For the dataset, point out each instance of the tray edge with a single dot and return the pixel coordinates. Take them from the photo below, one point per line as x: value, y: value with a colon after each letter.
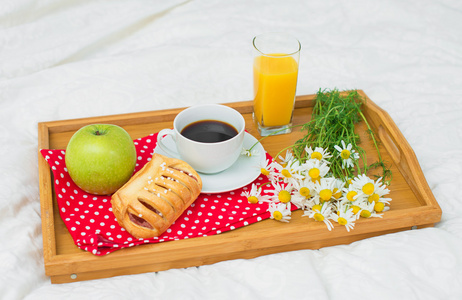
x: 45, y: 128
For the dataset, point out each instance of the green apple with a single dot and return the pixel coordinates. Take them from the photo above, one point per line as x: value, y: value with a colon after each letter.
x: 100, y: 158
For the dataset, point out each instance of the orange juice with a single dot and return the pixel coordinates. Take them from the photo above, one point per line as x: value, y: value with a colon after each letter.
x: 275, y: 83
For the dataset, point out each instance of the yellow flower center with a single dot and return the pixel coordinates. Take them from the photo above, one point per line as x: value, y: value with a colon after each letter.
x: 379, y: 206
x: 277, y: 215
x: 365, y: 213
x: 284, y: 196
x: 264, y: 171
x: 314, y: 173
x: 342, y: 221
x: 316, y: 207
x: 316, y: 155
x: 374, y: 197
x: 318, y: 217
x: 350, y: 195
x: 368, y: 188
x: 305, y: 192
x: 345, y: 154
x: 317, y: 179
x: 286, y: 173
x: 252, y: 199
x: 356, y: 209
x: 325, y: 194
x: 337, y: 193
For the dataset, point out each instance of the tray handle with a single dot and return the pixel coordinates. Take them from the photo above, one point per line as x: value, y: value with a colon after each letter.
x: 400, y: 151
x: 46, y: 192
x: 389, y: 144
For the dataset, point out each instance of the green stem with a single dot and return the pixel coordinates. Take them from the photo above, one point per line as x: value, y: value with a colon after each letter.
x: 274, y: 133
x: 372, y: 135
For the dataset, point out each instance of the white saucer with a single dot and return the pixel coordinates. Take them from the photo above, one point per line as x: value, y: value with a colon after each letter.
x: 245, y: 170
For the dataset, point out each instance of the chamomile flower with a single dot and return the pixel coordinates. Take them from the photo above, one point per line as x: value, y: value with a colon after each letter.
x: 321, y: 213
x: 345, y: 217
x: 356, y: 209
x: 267, y: 166
x: 338, y: 187
x: 347, y: 154
x: 318, y: 153
x: 248, y: 152
x: 286, y: 160
x: 315, y: 169
x: 374, y: 190
x: 254, y: 195
x: 351, y: 194
x: 303, y: 191
x: 367, y: 210
x: 280, y: 212
x: 323, y: 190
x: 364, y: 183
x: 281, y: 192
x: 380, y: 205
x: 289, y: 173
x: 379, y: 191
x: 311, y: 186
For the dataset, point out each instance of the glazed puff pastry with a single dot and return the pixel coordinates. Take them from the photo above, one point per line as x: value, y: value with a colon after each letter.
x: 156, y: 196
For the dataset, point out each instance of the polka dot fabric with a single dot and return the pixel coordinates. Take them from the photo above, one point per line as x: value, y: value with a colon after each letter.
x: 94, y: 228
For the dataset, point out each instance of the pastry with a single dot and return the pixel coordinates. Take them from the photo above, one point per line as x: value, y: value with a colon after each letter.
x: 156, y: 196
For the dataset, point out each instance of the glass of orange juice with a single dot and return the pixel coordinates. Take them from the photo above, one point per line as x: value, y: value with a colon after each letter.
x: 275, y: 73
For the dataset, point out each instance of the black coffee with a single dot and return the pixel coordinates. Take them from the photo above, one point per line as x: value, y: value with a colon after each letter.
x: 209, y: 131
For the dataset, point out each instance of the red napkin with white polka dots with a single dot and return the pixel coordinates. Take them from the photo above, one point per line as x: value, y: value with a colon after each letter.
x: 94, y: 228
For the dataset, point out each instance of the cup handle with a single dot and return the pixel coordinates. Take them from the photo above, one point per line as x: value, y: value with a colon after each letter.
x: 160, y: 143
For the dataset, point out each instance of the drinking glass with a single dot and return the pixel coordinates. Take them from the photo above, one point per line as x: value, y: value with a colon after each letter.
x: 275, y: 74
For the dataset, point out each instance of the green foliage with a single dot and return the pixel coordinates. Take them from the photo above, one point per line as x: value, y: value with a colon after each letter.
x: 333, y: 120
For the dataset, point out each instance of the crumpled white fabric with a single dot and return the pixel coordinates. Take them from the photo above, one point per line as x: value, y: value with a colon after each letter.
x: 74, y: 59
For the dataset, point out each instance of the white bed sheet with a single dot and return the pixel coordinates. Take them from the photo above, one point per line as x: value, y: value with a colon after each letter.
x: 63, y: 59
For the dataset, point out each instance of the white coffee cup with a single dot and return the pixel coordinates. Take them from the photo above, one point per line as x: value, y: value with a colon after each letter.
x: 204, y: 157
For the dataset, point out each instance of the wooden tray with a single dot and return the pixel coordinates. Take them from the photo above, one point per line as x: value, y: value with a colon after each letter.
x: 413, y: 205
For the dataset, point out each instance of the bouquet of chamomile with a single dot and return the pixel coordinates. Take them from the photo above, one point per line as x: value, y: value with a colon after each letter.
x: 325, y: 173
